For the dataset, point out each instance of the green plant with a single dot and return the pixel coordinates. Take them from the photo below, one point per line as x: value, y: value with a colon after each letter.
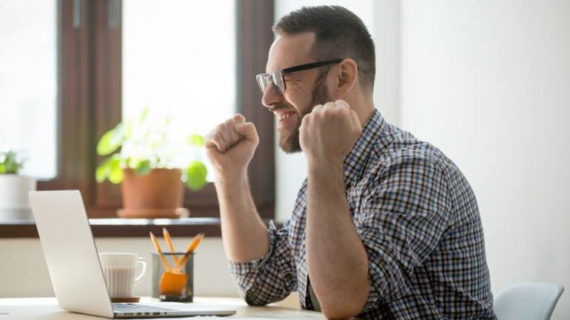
x: 10, y: 162
x: 146, y: 144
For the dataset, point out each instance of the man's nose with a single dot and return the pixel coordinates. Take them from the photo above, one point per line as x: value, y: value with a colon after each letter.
x: 271, y: 96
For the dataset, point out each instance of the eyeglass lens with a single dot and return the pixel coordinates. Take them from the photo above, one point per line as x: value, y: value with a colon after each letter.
x: 263, y: 80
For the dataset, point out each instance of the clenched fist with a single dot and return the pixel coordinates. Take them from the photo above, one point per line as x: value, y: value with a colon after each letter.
x: 328, y: 133
x: 231, y: 145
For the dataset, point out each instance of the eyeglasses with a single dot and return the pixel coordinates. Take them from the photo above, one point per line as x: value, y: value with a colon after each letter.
x: 276, y: 77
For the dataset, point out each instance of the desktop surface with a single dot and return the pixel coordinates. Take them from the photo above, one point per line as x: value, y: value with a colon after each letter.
x: 47, y: 308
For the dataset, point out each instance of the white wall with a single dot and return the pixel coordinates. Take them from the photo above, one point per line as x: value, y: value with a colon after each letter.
x: 23, y: 271
x: 488, y: 82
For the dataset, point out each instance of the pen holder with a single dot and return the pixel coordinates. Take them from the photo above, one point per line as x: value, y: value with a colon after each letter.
x: 184, y: 294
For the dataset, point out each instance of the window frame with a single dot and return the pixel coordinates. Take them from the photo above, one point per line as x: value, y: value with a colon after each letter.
x: 89, y: 102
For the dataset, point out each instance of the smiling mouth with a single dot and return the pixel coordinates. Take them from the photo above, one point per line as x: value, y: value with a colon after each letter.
x: 285, y: 115
x: 286, y: 119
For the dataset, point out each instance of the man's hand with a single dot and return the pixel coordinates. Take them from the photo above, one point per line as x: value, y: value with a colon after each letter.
x: 328, y: 133
x: 230, y: 146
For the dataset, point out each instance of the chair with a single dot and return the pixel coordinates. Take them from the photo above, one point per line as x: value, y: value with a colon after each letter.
x: 527, y: 301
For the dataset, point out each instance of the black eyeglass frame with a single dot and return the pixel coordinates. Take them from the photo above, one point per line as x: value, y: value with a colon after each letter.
x: 276, y: 77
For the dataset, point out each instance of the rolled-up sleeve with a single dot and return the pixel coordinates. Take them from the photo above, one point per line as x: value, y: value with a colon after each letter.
x: 270, y: 278
x: 400, y: 222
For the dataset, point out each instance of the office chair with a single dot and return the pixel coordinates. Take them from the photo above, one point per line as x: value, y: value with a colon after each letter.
x: 527, y: 301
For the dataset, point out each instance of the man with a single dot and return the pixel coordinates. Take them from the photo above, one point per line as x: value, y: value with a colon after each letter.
x: 384, y: 227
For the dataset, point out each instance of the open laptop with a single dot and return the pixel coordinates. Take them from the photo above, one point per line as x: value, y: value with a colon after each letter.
x: 74, y: 266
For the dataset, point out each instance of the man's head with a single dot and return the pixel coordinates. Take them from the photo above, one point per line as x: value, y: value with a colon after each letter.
x: 329, y: 34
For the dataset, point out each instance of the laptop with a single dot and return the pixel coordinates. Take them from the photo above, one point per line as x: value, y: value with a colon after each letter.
x: 74, y: 267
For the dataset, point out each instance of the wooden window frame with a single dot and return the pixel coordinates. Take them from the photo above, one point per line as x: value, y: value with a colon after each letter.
x: 89, y: 91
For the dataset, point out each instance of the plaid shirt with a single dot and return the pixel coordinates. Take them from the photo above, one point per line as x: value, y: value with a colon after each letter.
x: 418, y: 220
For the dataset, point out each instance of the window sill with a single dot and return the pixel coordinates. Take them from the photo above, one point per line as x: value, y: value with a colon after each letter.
x: 116, y: 227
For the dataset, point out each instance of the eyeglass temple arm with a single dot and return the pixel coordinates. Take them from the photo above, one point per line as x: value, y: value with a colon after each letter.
x: 312, y: 65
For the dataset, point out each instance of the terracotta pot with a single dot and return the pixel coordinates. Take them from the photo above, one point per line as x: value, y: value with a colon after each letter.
x: 158, y: 194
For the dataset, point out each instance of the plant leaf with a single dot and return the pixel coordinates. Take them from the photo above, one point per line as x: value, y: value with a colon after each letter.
x: 196, y: 140
x: 143, y: 167
x: 10, y: 162
x: 196, y: 175
x: 144, y: 114
x: 128, y: 129
x: 116, y: 172
x: 111, y: 140
x: 103, y: 171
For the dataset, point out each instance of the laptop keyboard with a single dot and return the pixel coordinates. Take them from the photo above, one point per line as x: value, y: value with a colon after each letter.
x: 133, y: 307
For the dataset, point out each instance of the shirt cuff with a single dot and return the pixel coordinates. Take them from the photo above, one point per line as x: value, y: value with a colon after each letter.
x: 374, y: 298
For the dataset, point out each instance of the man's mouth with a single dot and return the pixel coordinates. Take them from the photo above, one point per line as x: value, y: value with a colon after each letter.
x: 285, y: 115
x: 285, y: 118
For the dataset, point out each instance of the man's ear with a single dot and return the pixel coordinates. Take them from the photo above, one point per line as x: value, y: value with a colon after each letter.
x: 346, y: 78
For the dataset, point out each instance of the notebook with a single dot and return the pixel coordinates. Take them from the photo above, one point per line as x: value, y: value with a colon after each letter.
x: 74, y: 267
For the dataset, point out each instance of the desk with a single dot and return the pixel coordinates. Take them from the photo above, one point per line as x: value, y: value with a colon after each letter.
x: 47, y: 309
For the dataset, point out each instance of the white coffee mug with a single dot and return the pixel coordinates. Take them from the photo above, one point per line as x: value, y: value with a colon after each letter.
x: 119, y: 270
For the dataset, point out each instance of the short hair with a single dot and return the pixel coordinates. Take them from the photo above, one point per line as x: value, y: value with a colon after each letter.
x: 339, y: 33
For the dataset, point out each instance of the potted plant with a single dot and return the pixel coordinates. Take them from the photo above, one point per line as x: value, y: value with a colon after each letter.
x: 14, y: 187
x: 151, y: 163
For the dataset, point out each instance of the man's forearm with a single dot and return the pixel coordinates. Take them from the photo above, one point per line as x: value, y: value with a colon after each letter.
x: 244, y: 235
x: 337, y: 260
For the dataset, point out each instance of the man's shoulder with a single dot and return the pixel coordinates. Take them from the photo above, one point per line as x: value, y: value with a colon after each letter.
x: 397, y: 147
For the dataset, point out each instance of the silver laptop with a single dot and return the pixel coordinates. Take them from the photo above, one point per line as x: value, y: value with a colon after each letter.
x: 74, y: 266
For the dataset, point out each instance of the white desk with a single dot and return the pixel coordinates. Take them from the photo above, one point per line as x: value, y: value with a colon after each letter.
x: 47, y: 308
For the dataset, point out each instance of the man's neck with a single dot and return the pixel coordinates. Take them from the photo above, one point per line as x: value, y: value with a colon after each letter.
x: 362, y: 104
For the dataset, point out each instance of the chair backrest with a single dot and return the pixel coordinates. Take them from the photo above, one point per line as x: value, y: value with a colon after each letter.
x: 527, y: 301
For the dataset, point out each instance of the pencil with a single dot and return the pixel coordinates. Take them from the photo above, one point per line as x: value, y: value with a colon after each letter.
x: 162, y: 258
x: 195, y: 242
x: 170, y: 246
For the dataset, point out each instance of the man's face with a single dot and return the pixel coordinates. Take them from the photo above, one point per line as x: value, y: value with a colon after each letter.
x: 304, y: 89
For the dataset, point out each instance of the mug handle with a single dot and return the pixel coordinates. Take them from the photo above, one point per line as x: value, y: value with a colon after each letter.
x: 140, y: 276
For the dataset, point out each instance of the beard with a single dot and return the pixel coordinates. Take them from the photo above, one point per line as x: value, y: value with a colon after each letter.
x: 289, y: 142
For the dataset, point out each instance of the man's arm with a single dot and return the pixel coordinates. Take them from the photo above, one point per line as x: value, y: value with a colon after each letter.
x: 338, y: 264
x: 260, y: 259
x: 230, y: 147
x: 244, y: 235
x: 337, y: 260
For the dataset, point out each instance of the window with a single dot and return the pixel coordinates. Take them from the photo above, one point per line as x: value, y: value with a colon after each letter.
x: 101, y: 73
x: 28, y: 84
x: 190, y: 74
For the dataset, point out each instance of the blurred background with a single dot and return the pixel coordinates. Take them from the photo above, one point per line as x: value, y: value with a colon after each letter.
x: 486, y: 81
